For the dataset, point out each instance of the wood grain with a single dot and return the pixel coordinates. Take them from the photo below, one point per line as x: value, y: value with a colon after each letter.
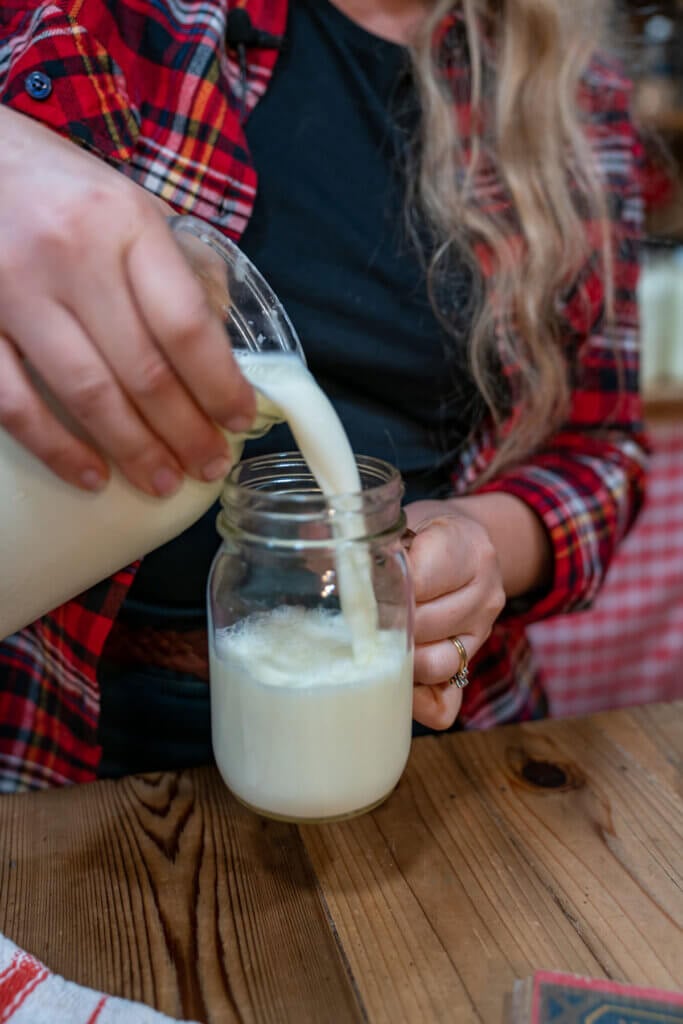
x: 163, y: 889
x: 549, y: 845
x: 472, y: 875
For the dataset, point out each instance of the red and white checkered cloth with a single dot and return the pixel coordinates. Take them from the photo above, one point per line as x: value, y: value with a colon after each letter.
x: 31, y: 994
x: 628, y: 649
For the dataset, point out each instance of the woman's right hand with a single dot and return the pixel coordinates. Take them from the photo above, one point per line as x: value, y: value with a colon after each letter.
x: 97, y: 300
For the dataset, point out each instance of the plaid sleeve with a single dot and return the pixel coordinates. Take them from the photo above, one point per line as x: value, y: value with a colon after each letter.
x: 57, y: 70
x: 587, y: 484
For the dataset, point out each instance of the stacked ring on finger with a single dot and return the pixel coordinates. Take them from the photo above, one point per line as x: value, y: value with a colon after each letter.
x: 460, y: 678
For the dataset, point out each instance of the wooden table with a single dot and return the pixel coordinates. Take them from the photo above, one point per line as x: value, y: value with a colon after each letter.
x: 557, y: 844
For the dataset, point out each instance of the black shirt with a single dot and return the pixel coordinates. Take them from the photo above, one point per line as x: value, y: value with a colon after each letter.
x: 329, y: 141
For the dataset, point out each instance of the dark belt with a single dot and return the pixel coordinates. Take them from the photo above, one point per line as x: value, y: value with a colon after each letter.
x: 179, y: 650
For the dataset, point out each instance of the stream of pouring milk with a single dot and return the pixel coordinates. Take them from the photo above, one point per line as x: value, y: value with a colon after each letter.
x: 288, y: 384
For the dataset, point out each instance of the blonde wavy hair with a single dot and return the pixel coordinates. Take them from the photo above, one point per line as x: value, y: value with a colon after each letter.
x: 525, y: 60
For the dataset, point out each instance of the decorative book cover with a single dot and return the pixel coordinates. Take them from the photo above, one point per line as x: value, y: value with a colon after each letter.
x: 549, y: 997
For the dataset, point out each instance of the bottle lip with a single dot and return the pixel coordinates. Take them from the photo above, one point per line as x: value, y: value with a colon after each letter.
x: 254, y: 318
x: 269, y: 494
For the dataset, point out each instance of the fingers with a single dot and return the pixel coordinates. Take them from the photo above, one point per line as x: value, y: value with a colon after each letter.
x: 451, y: 604
x: 436, y: 702
x: 25, y: 416
x: 80, y: 379
x: 438, y: 662
x: 98, y: 300
x: 457, y: 612
x: 459, y: 592
x: 102, y: 364
x: 178, y: 316
x: 439, y: 559
x: 457, y: 580
x: 438, y: 706
x: 108, y: 314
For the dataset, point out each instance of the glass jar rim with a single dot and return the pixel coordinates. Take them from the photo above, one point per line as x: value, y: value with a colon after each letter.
x: 279, y: 487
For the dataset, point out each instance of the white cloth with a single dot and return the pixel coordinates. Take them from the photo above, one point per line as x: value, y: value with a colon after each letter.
x: 31, y: 994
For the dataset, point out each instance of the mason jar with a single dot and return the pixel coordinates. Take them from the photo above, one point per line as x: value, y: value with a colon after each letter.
x: 310, y: 611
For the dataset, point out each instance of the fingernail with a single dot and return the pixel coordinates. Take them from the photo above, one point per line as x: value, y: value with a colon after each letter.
x: 166, y: 481
x: 238, y: 423
x: 216, y: 468
x: 93, y: 480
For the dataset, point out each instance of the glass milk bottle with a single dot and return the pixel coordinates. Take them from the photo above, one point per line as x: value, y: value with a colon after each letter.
x: 308, y: 724
x: 57, y: 541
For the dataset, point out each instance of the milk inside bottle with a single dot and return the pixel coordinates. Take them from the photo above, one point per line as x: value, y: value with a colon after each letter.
x: 57, y: 541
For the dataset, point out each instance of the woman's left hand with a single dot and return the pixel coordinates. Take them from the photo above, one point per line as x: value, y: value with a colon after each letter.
x: 458, y: 592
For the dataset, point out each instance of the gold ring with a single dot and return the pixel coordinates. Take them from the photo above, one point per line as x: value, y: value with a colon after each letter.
x: 460, y: 648
x: 461, y: 678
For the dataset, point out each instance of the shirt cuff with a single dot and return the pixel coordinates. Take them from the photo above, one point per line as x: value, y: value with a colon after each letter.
x: 587, y: 503
x: 61, y: 75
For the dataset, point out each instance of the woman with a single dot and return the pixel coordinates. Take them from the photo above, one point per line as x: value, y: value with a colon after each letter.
x: 446, y: 198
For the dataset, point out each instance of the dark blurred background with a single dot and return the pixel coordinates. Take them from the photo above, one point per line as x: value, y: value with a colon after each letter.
x: 656, y: 61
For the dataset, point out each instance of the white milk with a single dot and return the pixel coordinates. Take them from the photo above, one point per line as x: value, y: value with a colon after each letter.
x: 300, y: 728
x: 57, y: 541
x: 311, y: 710
x: 324, y: 445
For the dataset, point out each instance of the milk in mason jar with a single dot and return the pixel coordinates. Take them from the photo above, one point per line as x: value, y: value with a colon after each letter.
x: 311, y: 709
x: 300, y: 727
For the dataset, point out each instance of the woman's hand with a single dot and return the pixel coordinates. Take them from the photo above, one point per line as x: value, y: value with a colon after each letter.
x: 98, y: 302
x: 469, y: 554
x: 458, y: 592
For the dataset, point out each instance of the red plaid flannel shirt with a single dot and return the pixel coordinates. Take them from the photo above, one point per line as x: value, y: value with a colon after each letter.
x: 147, y: 85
